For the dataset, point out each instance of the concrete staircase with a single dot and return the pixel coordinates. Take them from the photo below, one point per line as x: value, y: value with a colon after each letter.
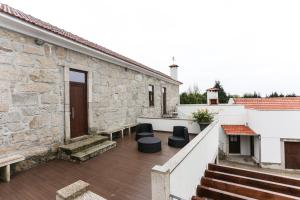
x: 86, y: 148
x: 223, y: 182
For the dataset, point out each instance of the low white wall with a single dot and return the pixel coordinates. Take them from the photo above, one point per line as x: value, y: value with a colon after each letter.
x: 180, y: 175
x: 226, y: 114
x: 166, y: 124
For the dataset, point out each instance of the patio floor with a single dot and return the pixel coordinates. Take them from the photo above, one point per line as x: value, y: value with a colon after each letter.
x: 121, y: 173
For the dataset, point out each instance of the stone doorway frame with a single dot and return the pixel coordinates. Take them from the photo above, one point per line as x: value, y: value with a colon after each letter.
x: 67, y: 135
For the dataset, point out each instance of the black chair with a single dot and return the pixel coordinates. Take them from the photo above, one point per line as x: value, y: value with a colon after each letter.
x: 179, y: 138
x: 143, y: 130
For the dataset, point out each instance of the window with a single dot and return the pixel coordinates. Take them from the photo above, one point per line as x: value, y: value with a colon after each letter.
x: 151, y: 95
x: 77, y: 76
x: 164, y: 101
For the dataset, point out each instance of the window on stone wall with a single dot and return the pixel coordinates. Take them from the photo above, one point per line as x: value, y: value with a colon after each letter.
x: 151, y: 95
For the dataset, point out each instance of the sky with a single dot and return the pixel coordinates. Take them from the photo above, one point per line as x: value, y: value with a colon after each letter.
x: 247, y: 45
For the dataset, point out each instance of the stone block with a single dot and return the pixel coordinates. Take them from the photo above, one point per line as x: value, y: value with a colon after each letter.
x: 46, y: 62
x: 30, y: 111
x: 4, y: 107
x: 25, y: 99
x: 49, y: 99
x: 6, y: 59
x: 24, y: 60
x: 3, y: 118
x: 39, y: 121
x: 46, y: 76
x: 33, y: 87
x: 35, y: 50
x: 60, y: 52
x: 18, y: 137
x: 14, y: 117
x: 14, y: 127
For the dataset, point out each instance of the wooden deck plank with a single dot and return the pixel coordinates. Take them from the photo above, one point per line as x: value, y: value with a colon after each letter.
x: 122, y: 173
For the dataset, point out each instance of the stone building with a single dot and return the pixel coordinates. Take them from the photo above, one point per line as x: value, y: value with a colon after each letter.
x: 55, y: 86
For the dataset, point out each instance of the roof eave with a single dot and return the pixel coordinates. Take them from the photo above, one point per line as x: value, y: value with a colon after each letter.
x: 20, y: 26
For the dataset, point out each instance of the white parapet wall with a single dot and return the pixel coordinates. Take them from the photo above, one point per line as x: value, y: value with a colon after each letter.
x: 178, y: 177
x: 166, y: 124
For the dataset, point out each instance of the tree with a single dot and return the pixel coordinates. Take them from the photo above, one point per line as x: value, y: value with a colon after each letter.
x: 291, y: 95
x: 251, y: 95
x: 223, y: 97
x: 192, y: 96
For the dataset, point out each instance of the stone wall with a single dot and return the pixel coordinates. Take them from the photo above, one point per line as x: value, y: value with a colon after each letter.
x: 32, y: 88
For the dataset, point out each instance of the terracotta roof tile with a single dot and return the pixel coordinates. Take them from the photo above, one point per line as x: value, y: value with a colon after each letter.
x: 280, y: 103
x: 46, y: 26
x: 237, y: 130
x: 213, y: 89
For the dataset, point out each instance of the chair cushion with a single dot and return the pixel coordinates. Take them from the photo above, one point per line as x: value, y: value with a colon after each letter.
x: 177, y: 142
x: 144, y: 127
x: 178, y: 131
x: 144, y: 134
x: 149, y: 145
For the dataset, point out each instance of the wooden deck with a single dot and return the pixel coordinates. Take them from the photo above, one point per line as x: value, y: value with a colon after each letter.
x: 122, y: 173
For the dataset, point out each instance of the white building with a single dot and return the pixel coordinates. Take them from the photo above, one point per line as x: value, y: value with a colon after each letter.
x: 265, y: 129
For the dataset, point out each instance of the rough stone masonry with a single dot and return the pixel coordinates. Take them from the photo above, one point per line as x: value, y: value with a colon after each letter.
x: 33, y: 96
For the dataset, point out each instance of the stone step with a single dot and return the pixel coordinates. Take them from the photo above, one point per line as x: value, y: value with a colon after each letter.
x: 93, y: 151
x: 72, y: 191
x: 83, y: 144
x: 89, y: 196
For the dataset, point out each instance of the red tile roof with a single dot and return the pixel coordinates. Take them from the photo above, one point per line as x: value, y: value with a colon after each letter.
x: 277, y: 103
x: 213, y: 89
x: 53, y: 29
x: 237, y: 130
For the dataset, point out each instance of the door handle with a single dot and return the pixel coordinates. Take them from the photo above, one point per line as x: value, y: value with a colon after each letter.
x: 73, y: 113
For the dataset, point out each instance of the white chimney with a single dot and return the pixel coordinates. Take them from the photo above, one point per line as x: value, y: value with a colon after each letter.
x: 212, y: 96
x: 174, y: 71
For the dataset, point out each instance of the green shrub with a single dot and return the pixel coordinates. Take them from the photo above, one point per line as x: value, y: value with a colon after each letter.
x: 203, y: 116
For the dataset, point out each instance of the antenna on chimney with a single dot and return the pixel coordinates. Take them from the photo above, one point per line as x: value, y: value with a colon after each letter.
x: 173, y: 59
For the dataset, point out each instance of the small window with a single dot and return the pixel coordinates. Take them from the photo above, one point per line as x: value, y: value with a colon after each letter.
x: 151, y: 95
x: 77, y: 76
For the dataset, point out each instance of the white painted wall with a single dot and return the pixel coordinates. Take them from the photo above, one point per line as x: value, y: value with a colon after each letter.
x: 226, y: 114
x: 166, y: 124
x: 256, y: 149
x: 272, y: 126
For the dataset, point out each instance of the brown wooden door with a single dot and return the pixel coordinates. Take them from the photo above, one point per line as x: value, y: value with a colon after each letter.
x: 292, y: 155
x: 164, y: 94
x: 78, y: 103
x: 234, y: 144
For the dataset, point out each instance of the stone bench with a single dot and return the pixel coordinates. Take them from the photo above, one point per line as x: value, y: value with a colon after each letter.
x: 111, y: 131
x: 129, y: 126
x: 5, y: 163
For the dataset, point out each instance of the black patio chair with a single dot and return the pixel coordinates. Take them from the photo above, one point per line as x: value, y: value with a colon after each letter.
x: 144, y: 130
x: 179, y: 138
